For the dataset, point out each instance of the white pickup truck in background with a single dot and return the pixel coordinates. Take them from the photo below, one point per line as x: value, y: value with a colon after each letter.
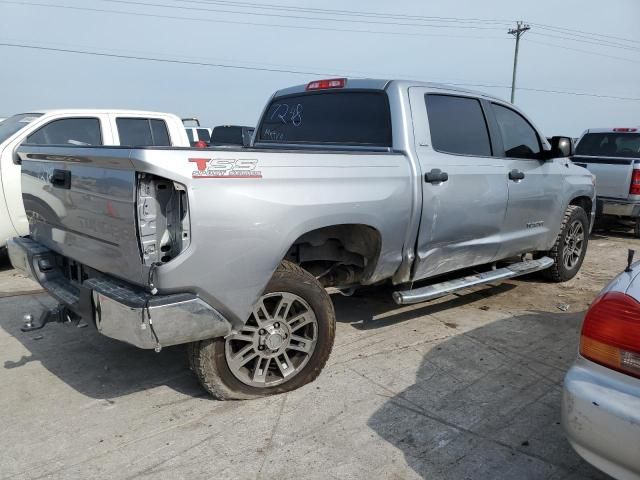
x: 79, y: 127
x: 613, y: 156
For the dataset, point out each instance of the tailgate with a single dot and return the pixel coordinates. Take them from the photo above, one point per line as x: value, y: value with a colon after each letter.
x: 613, y: 175
x: 83, y: 206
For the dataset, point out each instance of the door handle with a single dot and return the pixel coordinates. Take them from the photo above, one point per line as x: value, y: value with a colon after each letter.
x: 436, y: 176
x: 61, y: 179
x: 516, y: 175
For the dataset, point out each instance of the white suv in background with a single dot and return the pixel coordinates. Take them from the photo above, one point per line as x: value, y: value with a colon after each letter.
x: 73, y: 127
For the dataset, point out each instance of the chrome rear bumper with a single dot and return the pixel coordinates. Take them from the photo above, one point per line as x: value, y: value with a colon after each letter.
x: 119, y: 310
x: 618, y: 208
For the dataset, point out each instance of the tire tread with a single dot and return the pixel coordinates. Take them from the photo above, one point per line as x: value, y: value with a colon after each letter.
x: 201, y: 352
x: 554, y: 273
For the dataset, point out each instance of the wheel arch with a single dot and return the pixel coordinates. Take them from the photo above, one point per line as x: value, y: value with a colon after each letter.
x: 583, y: 201
x: 586, y: 203
x: 338, y: 254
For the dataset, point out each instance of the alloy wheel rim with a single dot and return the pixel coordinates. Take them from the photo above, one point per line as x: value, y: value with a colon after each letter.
x: 276, y: 342
x: 573, y: 245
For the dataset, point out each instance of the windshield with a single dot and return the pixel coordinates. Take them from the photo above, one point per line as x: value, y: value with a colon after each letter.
x: 12, y: 124
x: 610, y: 145
x: 329, y: 118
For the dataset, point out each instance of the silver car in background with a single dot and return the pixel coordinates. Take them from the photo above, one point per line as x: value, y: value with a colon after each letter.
x: 601, y: 398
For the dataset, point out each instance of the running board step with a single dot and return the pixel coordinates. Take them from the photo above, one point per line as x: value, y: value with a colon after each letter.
x: 440, y: 289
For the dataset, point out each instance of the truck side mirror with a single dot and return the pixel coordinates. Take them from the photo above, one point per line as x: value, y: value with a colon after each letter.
x: 561, y: 147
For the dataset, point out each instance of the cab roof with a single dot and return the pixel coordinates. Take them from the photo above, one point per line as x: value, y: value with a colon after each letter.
x: 382, y: 84
x: 613, y: 130
x: 94, y: 111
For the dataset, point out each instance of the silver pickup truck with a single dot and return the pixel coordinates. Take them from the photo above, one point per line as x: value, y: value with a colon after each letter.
x: 613, y: 155
x: 347, y: 183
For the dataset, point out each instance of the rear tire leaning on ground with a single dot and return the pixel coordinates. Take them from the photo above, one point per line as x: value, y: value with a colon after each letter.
x: 570, y: 247
x: 283, y: 346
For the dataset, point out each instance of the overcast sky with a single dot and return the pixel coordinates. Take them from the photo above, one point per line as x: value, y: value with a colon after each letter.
x: 269, y: 37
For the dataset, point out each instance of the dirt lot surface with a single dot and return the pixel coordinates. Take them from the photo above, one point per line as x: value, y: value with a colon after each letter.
x: 464, y: 387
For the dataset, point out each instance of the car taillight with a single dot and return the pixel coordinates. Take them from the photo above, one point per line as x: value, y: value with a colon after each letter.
x: 611, y: 333
x: 326, y: 84
x: 634, y: 188
x: 625, y: 130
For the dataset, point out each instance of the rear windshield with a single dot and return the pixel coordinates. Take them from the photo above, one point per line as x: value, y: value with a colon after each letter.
x: 12, y: 124
x: 359, y: 118
x: 610, y: 145
x: 203, y: 134
x: 227, y: 135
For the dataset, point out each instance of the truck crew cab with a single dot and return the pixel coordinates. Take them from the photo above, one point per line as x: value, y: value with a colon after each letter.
x: 348, y: 182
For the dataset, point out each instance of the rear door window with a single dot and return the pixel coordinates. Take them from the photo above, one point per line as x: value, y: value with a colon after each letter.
x: 518, y: 136
x: 160, y: 133
x: 357, y: 118
x: 457, y: 125
x: 143, y: 132
x: 610, y: 145
x: 68, y: 131
x: 190, y: 134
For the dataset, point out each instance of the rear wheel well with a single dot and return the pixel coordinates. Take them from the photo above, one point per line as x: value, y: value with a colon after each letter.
x: 585, y: 203
x: 337, y: 255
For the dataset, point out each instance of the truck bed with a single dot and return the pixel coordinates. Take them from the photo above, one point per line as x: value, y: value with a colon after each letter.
x: 237, y: 203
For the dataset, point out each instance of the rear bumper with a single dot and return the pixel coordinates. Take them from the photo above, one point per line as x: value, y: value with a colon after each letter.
x: 119, y: 310
x: 618, y: 208
x: 601, y: 417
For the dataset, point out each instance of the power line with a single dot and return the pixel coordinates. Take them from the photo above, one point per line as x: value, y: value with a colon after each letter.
x: 582, y: 32
x: 235, y: 22
x: 297, y: 17
x: 278, y: 70
x: 325, y: 11
x: 163, y: 60
x: 583, y: 51
x: 411, y: 34
x: 270, y: 6
x: 590, y: 42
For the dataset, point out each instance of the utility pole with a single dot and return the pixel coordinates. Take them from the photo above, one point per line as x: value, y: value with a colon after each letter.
x: 517, y: 32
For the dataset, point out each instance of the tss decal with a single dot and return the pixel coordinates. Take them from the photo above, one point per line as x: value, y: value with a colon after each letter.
x: 225, y: 168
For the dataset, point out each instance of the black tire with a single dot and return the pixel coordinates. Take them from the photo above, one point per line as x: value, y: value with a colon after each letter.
x: 636, y: 228
x: 209, y: 363
x: 559, y: 272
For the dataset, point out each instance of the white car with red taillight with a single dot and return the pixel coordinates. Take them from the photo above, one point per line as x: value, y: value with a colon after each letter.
x: 601, y: 398
x: 613, y: 156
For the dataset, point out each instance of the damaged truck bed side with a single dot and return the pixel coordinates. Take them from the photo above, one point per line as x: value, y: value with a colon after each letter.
x: 347, y: 183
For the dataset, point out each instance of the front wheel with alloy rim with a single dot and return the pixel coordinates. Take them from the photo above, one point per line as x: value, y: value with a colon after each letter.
x: 284, y: 344
x: 570, y: 246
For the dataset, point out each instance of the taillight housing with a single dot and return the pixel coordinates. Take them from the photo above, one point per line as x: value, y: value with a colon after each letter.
x: 634, y: 187
x: 327, y: 84
x: 164, y: 225
x: 625, y: 130
x: 611, y: 333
